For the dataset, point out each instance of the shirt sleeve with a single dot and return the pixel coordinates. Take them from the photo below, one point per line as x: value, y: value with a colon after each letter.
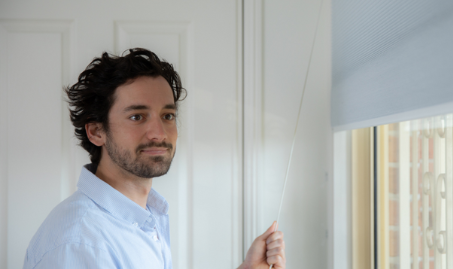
x: 77, y: 255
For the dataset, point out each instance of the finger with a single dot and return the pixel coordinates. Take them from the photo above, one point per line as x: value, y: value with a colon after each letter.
x: 274, y: 236
x: 269, y: 231
x: 275, y: 244
x: 276, y: 260
x: 276, y: 251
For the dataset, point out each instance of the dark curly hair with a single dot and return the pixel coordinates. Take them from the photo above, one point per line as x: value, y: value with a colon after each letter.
x: 91, y: 98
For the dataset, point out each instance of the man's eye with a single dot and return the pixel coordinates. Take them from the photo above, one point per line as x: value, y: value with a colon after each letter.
x: 169, y: 116
x: 136, y: 117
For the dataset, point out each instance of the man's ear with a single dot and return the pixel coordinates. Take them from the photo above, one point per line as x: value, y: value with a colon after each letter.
x: 95, y: 133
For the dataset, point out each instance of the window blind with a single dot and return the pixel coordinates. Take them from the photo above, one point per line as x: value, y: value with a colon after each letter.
x: 392, y: 61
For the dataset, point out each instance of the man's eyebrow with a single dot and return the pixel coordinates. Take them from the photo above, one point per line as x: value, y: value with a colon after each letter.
x: 135, y: 107
x: 143, y: 107
x: 170, y: 106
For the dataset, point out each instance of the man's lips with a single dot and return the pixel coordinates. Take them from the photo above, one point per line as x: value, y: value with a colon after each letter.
x: 155, y: 151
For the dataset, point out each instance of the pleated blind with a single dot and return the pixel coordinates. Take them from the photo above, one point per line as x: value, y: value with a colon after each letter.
x: 390, y: 58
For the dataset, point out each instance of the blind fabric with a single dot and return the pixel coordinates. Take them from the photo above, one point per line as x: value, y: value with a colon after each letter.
x: 390, y: 57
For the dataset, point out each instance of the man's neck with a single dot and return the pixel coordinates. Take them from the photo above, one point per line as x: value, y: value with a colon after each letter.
x: 131, y: 186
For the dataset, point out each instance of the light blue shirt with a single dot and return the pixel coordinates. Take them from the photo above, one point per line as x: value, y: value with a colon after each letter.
x: 98, y: 227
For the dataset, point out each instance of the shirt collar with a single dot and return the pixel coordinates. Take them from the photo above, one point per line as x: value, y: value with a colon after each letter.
x: 158, y: 202
x: 115, y: 202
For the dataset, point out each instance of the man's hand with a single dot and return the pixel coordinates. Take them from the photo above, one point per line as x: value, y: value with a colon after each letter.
x: 267, y: 249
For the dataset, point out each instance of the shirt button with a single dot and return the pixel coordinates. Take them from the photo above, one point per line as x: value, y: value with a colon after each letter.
x: 135, y: 224
x: 155, y: 238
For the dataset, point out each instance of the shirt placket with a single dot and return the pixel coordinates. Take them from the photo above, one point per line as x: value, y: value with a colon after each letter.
x: 151, y: 229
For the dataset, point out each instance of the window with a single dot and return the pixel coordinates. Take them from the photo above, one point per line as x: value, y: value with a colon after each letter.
x: 409, y: 189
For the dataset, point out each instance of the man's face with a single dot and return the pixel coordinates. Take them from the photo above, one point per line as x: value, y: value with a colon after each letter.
x: 142, y: 133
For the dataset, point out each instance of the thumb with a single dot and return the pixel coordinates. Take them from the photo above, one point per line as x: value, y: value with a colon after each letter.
x: 270, y: 230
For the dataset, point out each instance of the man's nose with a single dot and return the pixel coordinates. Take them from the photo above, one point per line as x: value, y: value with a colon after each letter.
x: 156, y: 129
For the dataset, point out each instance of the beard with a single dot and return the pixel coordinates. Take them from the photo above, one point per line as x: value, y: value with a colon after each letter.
x: 141, y: 166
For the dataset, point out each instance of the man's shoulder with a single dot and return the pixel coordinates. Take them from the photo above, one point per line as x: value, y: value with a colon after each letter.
x: 68, y: 223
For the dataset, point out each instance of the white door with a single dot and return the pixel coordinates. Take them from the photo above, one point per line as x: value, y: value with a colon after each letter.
x: 45, y: 44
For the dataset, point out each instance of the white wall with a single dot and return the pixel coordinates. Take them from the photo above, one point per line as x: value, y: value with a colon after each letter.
x: 288, y: 32
x: 341, y: 238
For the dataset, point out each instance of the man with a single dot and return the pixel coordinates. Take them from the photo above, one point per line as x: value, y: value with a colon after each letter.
x: 124, y: 110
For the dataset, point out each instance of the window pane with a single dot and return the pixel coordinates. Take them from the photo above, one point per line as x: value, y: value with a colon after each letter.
x: 414, y: 184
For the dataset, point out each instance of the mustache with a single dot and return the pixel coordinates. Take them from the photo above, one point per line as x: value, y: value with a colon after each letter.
x: 162, y: 144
